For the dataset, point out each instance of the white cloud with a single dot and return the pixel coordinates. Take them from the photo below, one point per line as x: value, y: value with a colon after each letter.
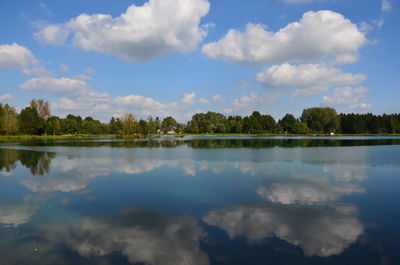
x: 6, y: 97
x: 365, y: 26
x: 76, y: 96
x: 15, y: 55
x: 136, y: 101
x: 347, y: 96
x: 217, y: 99
x: 315, y: 36
x: 54, y: 35
x: 203, y: 101
x: 143, y: 236
x: 306, y: 78
x: 248, y: 103
x: 64, y: 68
x: 317, y: 232
x: 157, y: 28
x: 346, y: 59
x: 144, y: 106
x: 386, y: 6
x: 362, y: 106
x: 189, y: 98
x: 58, y: 86
x: 37, y: 71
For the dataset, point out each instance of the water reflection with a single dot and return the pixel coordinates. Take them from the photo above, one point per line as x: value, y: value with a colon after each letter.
x: 8, y: 161
x: 307, y: 197
x: 347, y: 173
x: 15, y: 214
x: 227, y: 142
x: 38, y: 162
x: 317, y: 231
x: 142, y: 235
x: 305, y: 191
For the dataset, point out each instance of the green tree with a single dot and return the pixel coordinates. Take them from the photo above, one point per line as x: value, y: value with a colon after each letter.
x: 303, y: 128
x: 321, y: 120
x: 169, y: 121
x: 30, y: 122
x: 235, y: 124
x: 152, y: 125
x: 258, y: 123
x: 71, y: 124
x: 8, y: 120
x: 289, y: 124
x: 91, y: 126
x: 53, y: 125
x: 116, y: 126
x: 143, y: 127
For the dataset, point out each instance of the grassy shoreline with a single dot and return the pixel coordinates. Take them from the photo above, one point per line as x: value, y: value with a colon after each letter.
x: 13, y: 138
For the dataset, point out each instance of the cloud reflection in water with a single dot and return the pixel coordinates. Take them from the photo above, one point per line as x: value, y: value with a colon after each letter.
x: 317, y: 231
x: 143, y: 236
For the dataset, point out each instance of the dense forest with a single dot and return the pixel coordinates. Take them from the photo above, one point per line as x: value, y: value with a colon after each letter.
x: 36, y: 119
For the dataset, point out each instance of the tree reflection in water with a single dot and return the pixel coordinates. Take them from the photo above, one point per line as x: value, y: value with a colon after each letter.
x: 38, y: 162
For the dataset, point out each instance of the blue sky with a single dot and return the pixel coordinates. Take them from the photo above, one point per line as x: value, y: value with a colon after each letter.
x: 178, y: 57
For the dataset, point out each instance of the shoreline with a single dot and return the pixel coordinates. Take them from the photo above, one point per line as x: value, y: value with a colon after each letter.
x: 13, y: 138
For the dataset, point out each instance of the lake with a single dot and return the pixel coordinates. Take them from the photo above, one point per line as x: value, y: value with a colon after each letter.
x: 201, y: 201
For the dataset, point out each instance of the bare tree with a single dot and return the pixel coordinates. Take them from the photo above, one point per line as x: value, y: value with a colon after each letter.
x: 42, y: 107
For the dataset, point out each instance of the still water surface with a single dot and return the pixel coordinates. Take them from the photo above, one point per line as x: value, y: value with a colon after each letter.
x: 201, y: 201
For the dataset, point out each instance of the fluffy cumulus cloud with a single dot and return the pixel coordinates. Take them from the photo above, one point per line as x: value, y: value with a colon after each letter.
x: 217, y: 99
x: 316, y: 36
x: 54, y: 35
x: 316, y: 231
x: 247, y: 103
x: 144, y: 106
x: 136, y: 101
x: 57, y: 86
x: 306, y: 78
x: 203, y: 101
x: 143, y: 236
x: 305, y: 192
x: 37, y: 70
x: 76, y: 96
x: 15, y: 55
x: 6, y: 97
x: 189, y: 98
x: 155, y: 29
x: 348, y: 96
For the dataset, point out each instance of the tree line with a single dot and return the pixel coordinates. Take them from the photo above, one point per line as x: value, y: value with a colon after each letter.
x: 36, y: 119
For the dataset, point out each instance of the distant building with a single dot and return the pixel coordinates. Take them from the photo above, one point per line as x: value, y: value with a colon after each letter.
x: 170, y: 130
